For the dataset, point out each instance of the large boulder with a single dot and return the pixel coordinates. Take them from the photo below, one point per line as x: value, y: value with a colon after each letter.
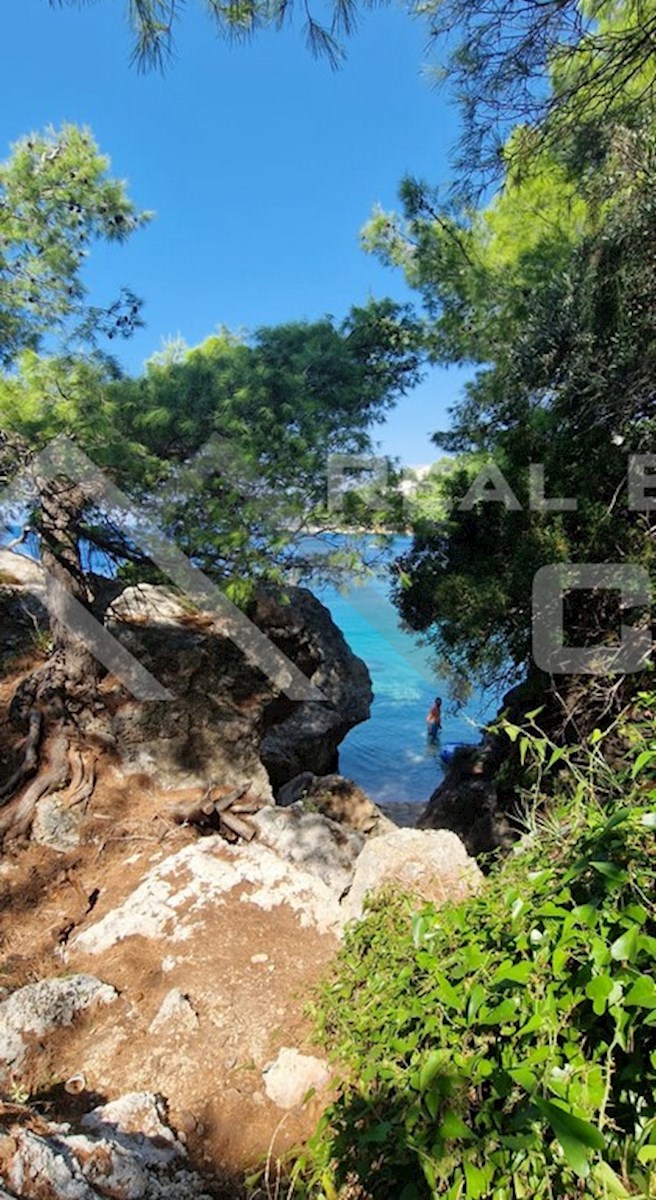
x: 24, y: 618
x: 307, y: 738
x: 226, y: 723
x: 433, y: 866
x: 40, y: 1008
x: 127, y: 1151
x: 337, y: 798
x: 466, y: 802
x: 311, y: 841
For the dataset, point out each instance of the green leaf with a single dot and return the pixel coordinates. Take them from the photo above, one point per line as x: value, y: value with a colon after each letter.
x: 476, y: 1180
x: 503, y: 1013
x: 610, y: 871
x: 645, y: 757
x: 642, y: 994
x: 576, y: 1136
x: 604, y: 1174
x: 430, y: 1069
x: 513, y: 972
x: 626, y: 946
x: 447, y: 993
x: 453, y: 1126
x: 603, y: 991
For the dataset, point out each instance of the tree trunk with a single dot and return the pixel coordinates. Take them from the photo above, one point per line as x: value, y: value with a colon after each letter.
x: 55, y: 702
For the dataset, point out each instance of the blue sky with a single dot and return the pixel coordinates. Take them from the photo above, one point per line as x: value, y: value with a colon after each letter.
x: 260, y: 162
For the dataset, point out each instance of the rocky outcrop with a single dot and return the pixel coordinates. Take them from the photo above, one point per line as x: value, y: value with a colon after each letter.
x: 307, y: 738
x: 337, y: 798
x: 434, y: 866
x: 466, y: 803
x: 224, y: 723
x: 124, y: 1150
x: 310, y: 841
x: 39, y: 1008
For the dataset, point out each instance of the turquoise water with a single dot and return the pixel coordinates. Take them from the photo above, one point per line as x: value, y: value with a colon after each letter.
x: 389, y: 755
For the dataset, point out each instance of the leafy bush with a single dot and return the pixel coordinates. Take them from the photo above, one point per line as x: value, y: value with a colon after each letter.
x: 506, y: 1046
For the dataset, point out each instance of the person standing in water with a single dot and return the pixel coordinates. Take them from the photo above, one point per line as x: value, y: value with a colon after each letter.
x: 434, y: 719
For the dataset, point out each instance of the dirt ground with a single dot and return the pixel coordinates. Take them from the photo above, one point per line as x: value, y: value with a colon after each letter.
x: 247, y: 974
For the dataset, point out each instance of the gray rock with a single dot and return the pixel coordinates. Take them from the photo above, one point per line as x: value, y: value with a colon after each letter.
x: 225, y: 723
x: 39, y: 1008
x: 307, y: 738
x: 292, y: 1075
x: 466, y: 802
x: 176, y: 1015
x: 137, y: 1120
x: 311, y: 842
x: 57, y: 824
x: 127, y: 1152
x: 432, y: 865
x: 337, y: 798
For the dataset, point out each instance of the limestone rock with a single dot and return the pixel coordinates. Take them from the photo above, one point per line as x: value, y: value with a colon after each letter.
x: 311, y: 842
x: 23, y: 613
x: 307, y: 737
x: 432, y: 865
x: 338, y: 798
x: 141, y: 1118
x: 57, y: 824
x: 291, y: 1076
x: 39, y: 1008
x: 176, y: 1015
x: 225, y: 723
x: 127, y: 1152
x: 168, y: 904
x: 466, y: 802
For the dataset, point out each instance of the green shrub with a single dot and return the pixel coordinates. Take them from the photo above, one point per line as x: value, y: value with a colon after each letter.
x: 506, y: 1047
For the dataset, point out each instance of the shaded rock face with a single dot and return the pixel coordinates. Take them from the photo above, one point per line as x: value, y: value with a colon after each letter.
x: 308, y: 737
x: 23, y: 614
x: 337, y: 798
x: 432, y: 865
x: 225, y: 723
x: 467, y: 803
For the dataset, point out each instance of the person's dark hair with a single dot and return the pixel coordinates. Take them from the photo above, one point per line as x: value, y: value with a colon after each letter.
x: 438, y: 699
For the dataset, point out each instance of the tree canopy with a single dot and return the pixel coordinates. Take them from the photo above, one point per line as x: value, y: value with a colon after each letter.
x: 548, y: 292
x: 153, y: 24
x: 56, y: 199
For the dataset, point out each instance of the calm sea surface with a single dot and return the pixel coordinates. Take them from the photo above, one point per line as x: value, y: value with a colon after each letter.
x: 389, y: 755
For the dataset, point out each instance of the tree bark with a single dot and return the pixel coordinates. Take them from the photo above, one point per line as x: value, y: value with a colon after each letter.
x: 55, y: 702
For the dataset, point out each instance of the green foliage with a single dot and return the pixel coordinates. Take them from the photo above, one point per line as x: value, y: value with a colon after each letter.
x: 506, y: 1046
x: 56, y: 198
x: 551, y: 291
x: 227, y: 444
x: 597, y: 56
x: 154, y: 24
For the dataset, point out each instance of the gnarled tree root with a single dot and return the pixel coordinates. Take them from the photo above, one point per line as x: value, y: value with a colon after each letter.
x: 29, y: 762
x: 16, y: 818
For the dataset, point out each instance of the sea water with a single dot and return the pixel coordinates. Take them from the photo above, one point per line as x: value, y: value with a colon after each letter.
x: 390, y: 755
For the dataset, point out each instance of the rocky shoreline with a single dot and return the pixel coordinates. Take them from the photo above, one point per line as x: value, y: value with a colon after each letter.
x: 160, y: 939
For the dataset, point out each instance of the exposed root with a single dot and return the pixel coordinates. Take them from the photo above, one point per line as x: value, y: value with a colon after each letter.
x: 83, y: 779
x: 29, y: 762
x: 16, y: 819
